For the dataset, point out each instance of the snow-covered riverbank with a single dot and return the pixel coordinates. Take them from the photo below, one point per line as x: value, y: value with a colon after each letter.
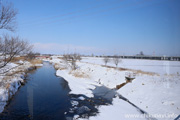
x: 158, y: 66
x: 154, y: 93
x: 10, y: 81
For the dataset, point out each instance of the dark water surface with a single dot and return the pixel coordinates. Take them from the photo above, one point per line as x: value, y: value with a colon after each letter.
x: 46, y: 97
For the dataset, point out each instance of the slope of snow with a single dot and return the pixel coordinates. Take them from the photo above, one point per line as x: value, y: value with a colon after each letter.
x: 98, y: 76
x: 118, y: 111
x: 89, y: 76
x: 77, y: 85
x: 156, y: 94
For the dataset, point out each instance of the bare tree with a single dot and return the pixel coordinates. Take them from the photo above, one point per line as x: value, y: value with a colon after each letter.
x: 116, y: 60
x: 10, y: 47
x: 106, y: 60
x: 66, y: 57
x: 7, y: 16
x: 73, y: 63
x: 72, y: 59
x: 77, y: 56
x: 37, y: 54
x: 31, y: 55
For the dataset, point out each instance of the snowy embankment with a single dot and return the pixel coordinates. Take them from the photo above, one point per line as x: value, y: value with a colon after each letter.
x: 157, y: 94
x: 87, y: 76
x: 156, y: 66
x: 11, y: 78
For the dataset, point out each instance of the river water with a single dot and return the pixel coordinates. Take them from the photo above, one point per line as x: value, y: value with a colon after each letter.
x: 46, y: 97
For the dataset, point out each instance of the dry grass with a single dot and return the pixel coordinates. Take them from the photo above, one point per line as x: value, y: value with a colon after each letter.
x: 142, y: 72
x: 60, y: 57
x: 108, y: 66
x: 120, y: 86
x: 62, y: 68
x: 16, y: 59
x: 35, y: 61
x: 6, y: 78
x: 56, y: 66
x: 123, y: 84
x: 23, y: 58
x: 5, y: 82
x: 59, y: 66
x: 79, y: 74
x: 135, y: 71
x: 7, y: 86
x: 15, y: 72
x: 126, y: 69
x: 20, y: 68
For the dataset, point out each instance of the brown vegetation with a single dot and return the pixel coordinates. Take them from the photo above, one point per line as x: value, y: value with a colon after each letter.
x: 120, y: 86
x: 35, y: 61
x: 23, y: 58
x: 59, y: 66
x: 16, y: 59
x: 79, y: 74
x: 135, y: 71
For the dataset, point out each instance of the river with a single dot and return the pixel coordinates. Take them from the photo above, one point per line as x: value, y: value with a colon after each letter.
x: 46, y: 96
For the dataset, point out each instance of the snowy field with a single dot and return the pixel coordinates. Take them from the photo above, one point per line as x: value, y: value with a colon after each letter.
x: 157, y: 66
x: 157, y: 94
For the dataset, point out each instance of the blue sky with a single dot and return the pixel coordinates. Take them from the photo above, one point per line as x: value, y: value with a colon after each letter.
x: 100, y: 26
